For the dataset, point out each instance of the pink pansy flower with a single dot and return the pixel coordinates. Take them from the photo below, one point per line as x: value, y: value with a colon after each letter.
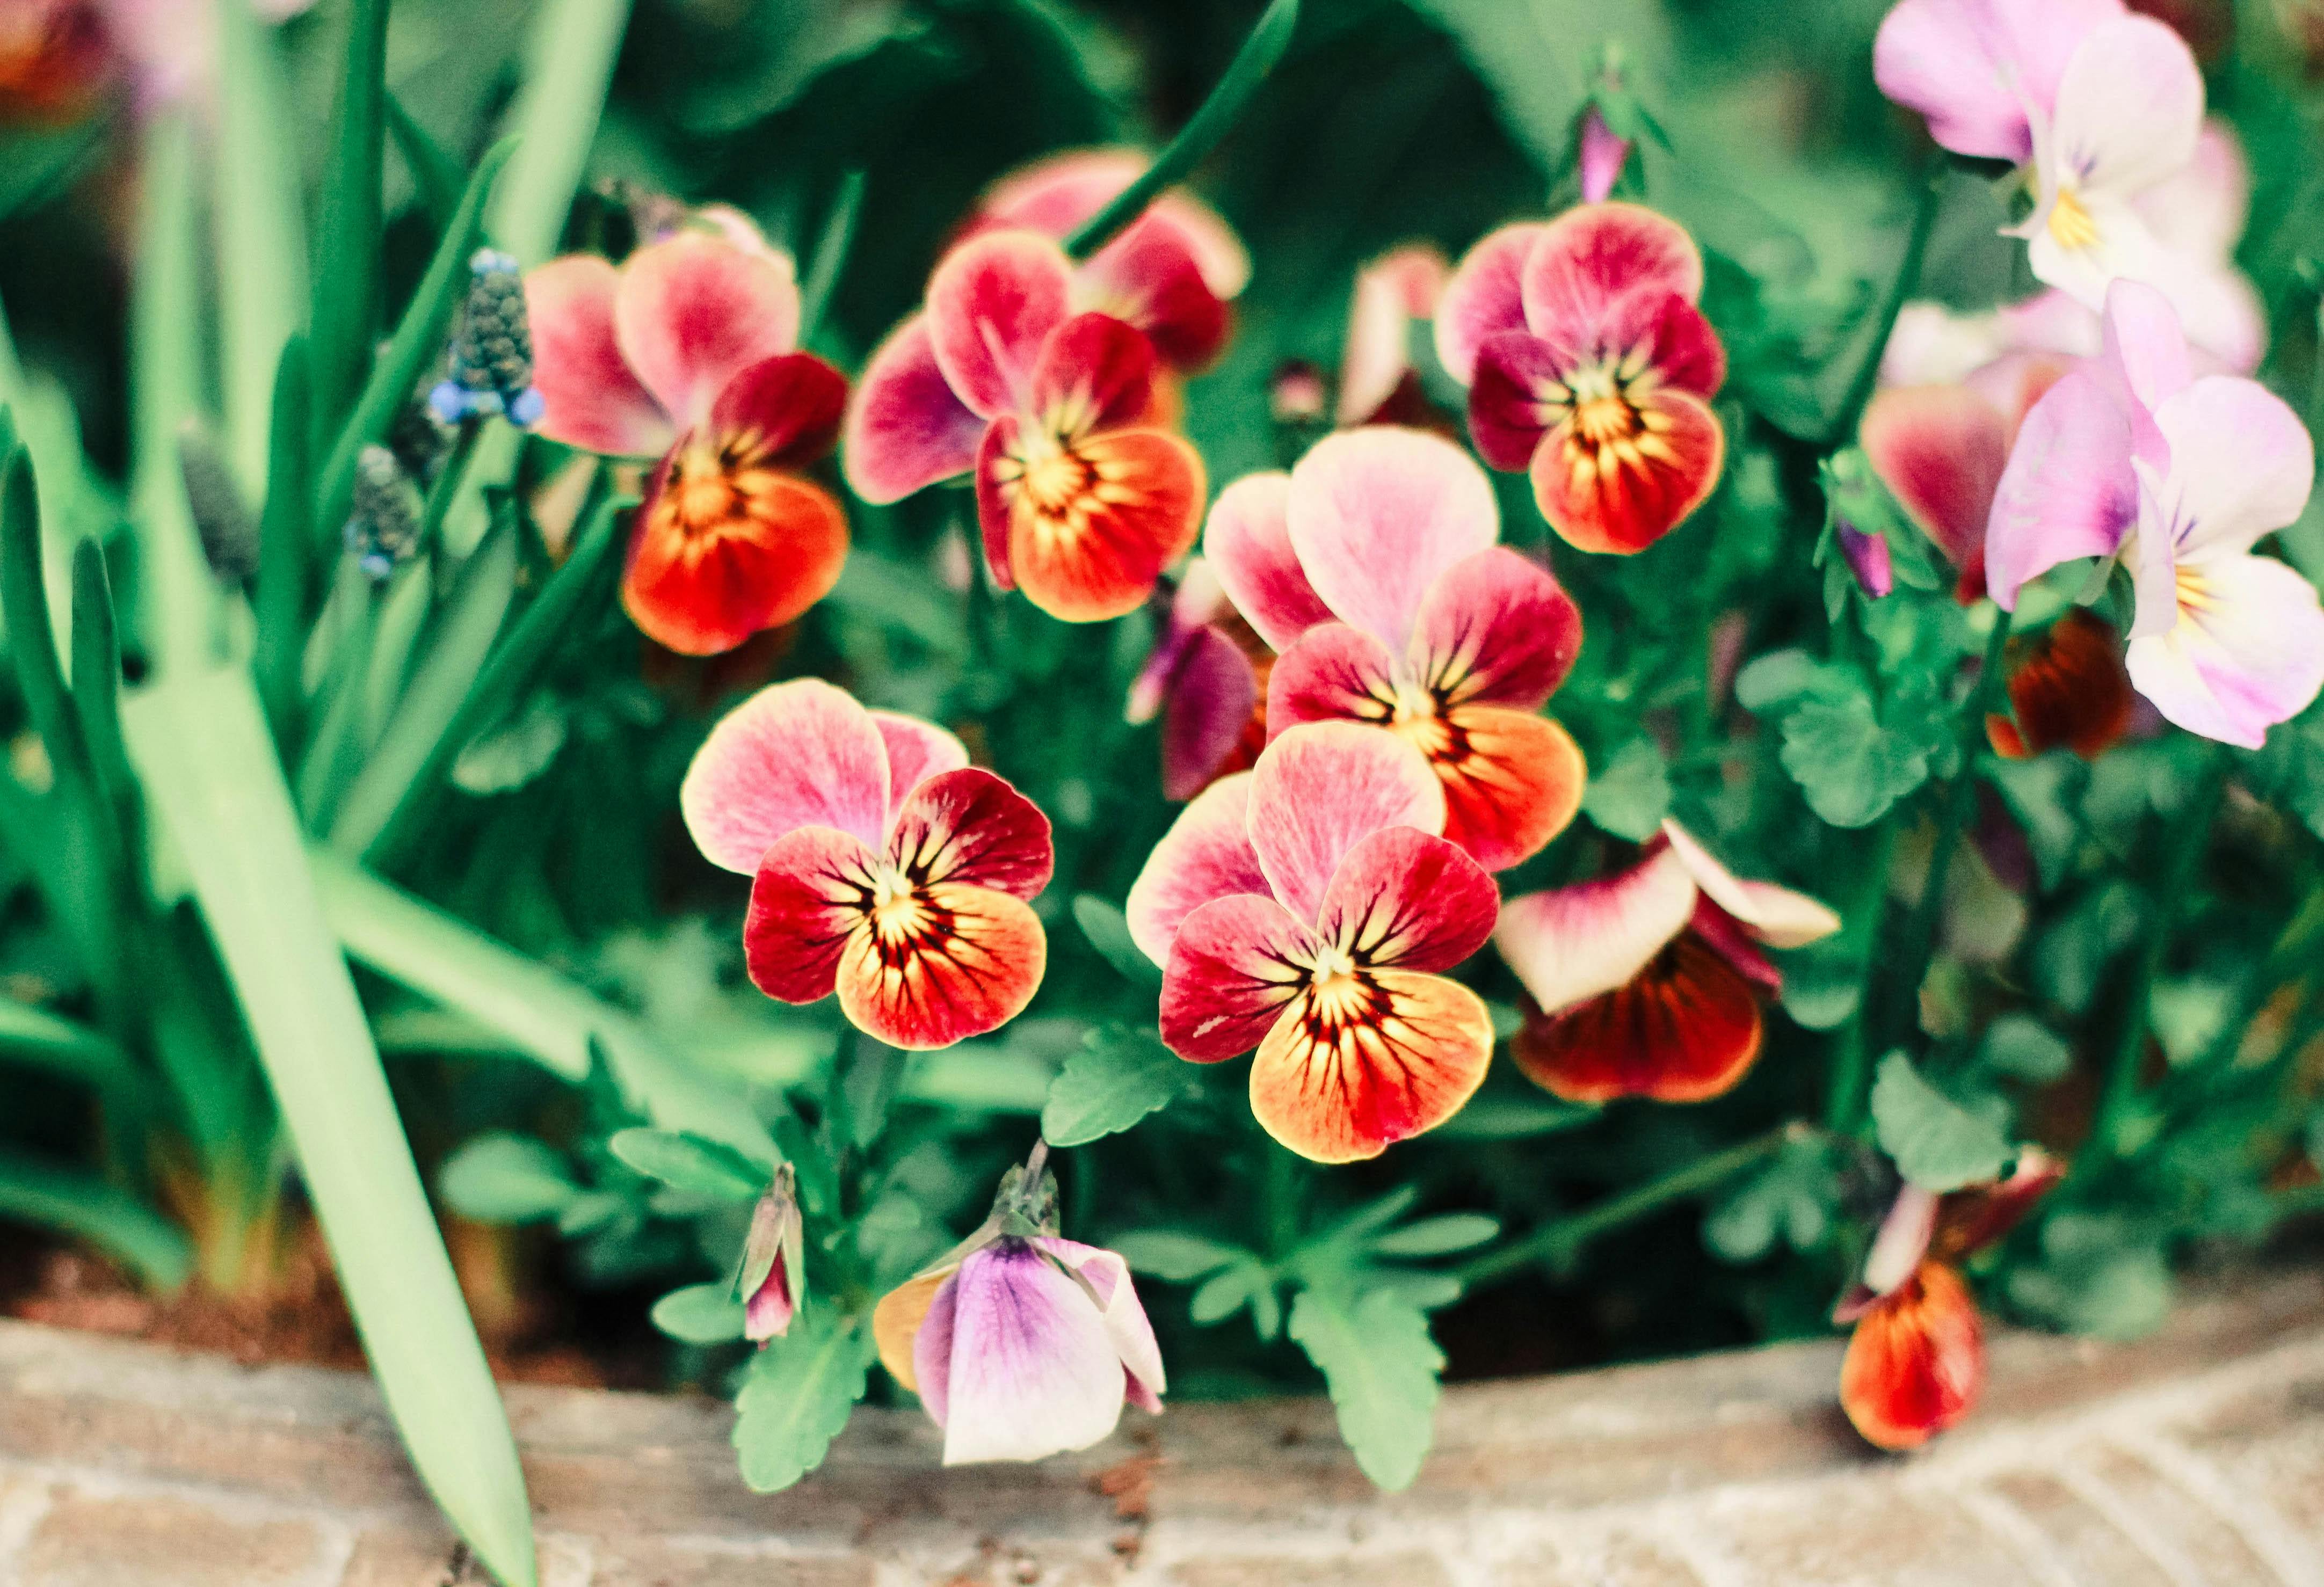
x: 771, y: 1280
x: 1021, y: 1344
x: 1083, y: 496
x: 1306, y: 907
x: 1372, y: 568
x: 1393, y: 293
x: 1648, y: 982
x: 689, y: 350
x: 886, y: 867
x: 1206, y: 679
x: 2179, y: 476
x: 1588, y: 365
x: 1171, y: 273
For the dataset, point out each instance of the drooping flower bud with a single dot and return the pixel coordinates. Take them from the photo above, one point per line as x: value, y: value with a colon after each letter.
x: 492, y: 349
x: 1867, y: 558
x: 383, y: 521
x: 771, y: 1282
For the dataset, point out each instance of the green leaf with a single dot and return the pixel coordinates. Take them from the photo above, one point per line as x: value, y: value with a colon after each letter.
x: 1107, y: 930
x: 507, y: 758
x: 436, y: 177
x: 36, y: 1037
x: 1223, y: 1295
x: 285, y: 544
x: 1119, y: 1077
x: 799, y: 1393
x: 1851, y: 760
x: 1382, y: 1367
x: 87, y: 1208
x: 1630, y: 794
x: 1792, y: 1199
x: 502, y: 1178
x: 1436, y: 1237
x: 568, y: 63
x: 1175, y: 1256
x: 1937, y: 1144
x: 700, y: 1314
x: 690, y: 1163
x: 348, y: 228
x: 262, y: 246
x: 2022, y: 1046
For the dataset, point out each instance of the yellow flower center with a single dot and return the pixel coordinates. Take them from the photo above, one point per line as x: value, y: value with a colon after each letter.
x: 1602, y: 413
x: 1338, y: 994
x: 2194, y: 590
x: 710, y: 483
x: 897, y: 913
x: 2070, y: 226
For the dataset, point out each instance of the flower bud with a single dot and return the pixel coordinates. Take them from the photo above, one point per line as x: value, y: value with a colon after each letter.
x: 383, y: 522
x: 771, y: 1282
x: 224, y: 521
x: 492, y: 349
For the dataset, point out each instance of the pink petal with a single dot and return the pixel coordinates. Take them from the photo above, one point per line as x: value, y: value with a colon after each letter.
x: 1334, y: 673
x: 1595, y: 255
x: 1236, y: 964
x: 932, y: 1350
x: 795, y: 754
x: 1971, y: 66
x: 2241, y: 466
x: 1212, y: 699
x: 1603, y: 153
x: 1777, y: 915
x: 2204, y: 205
x: 1247, y: 543
x: 1033, y: 1369
x: 1515, y: 398
x: 1391, y: 292
x: 1096, y: 373
x: 992, y: 302
x: 1903, y: 1240
x: 994, y: 512
x: 1376, y: 514
x: 1497, y: 627
x: 1149, y: 277
x: 969, y: 825
x: 2143, y: 358
x: 906, y: 429
x: 767, y: 1314
x: 2068, y: 490
x: 1573, y: 943
x: 2129, y: 108
x: 694, y: 311
x: 1484, y: 297
x: 2250, y: 655
x: 1056, y: 195
x: 1939, y: 450
x: 591, y: 400
x: 1107, y: 1277
x: 1406, y: 900
x: 806, y: 910
x: 1321, y: 788
x: 917, y: 751
x: 1206, y: 854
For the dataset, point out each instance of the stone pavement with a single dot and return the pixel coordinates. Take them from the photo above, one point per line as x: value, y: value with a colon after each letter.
x: 2194, y: 1459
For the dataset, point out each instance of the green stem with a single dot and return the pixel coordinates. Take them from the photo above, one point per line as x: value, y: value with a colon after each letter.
x: 1279, y: 1199
x: 1561, y: 1240
x: 1219, y: 113
x: 1851, y: 1058
x: 831, y: 250
x: 2293, y: 948
x: 1900, y: 291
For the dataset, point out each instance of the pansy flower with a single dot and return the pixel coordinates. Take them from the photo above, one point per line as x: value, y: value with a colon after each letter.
x: 1083, y: 497
x: 1916, y: 1361
x: 2068, y: 688
x: 1307, y: 907
x: 2135, y: 457
x: 1206, y: 679
x: 689, y: 350
x: 1396, y: 290
x: 1648, y: 983
x: 1372, y: 567
x: 886, y: 867
x: 1588, y: 365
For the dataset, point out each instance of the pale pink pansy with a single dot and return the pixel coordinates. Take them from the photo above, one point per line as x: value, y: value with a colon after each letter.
x: 1206, y: 679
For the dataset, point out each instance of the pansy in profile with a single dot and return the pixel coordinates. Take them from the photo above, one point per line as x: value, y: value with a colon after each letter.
x: 1588, y: 365
x: 1082, y: 493
x: 2068, y: 688
x: 1648, y: 983
x: 772, y: 1280
x: 687, y: 350
x: 1206, y: 679
x: 1393, y: 293
x: 1020, y: 1344
x: 1916, y: 1361
x: 1372, y: 567
x: 1307, y: 907
x: 2178, y: 476
x: 886, y: 867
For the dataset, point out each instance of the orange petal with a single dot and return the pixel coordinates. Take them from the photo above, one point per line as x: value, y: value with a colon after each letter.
x: 1916, y: 1362
x: 948, y: 962
x: 2071, y: 688
x: 717, y: 556
x: 895, y: 1323
x: 1684, y: 1030
x: 1512, y: 780
x: 1090, y: 529
x: 1382, y: 1055
x: 1622, y: 498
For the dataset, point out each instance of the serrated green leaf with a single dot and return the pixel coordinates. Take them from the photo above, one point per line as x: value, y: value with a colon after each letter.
x: 1630, y: 794
x: 1853, y: 756
x: 1790, y: 1200
x: 800, y: 1391
x: 1937, y: 1144
x: 1381, y: 1366
x: 1108, y: 931
x: 700, y: 1314
x: 1174, y: 1256
x: 1117, y: 1078
x: 502, y: 1178
x: 1436, y: 1237
x: 689, y: 1162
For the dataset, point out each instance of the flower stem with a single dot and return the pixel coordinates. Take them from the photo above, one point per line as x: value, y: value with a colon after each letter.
x: 1900, y: 291
x: 1561, y: 1240
x: 1851, y: 1057
x: 1257, y: 58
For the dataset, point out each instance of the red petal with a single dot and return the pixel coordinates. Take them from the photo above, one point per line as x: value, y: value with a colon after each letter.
x: 784, y: 411
x: 998, y: 467
x: 2072, y: 688
x: 1335, y: 673
x: 1939, y: 450
x: 1096, y: 373
x: 590, y: 398
x: 1149, y: 277
x: 1595, y: 255
x: 701, y: 585
x: 1497, y: 627
x: 1916, y: 1362
x: 1056, y: 195
x: 1968, y: 1221
x: 1234, y: 965
x: 1406, y: 900
x: 694, y: 311
x: 1380, y: 1056
x: 808, y: 903
x: 970, y: 827
x: 1600, y: 500
x: 963, y: 962
x: 1247, y: 543
x: 1090, y: 530
x: 1212, y: 695
x: 1512, y: 780
x: 1684, y: 1030
x: 907, y: 429
x: 1517, y: 396
x: 992, y: 301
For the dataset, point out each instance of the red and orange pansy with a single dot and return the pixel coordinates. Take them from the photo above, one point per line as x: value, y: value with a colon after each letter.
x: 1588, y: 365
x: 1916, y: 1361
x: 886, y: 867
x: 2068, y: 686
x: 1084, y: 496
x: 1648, y: 983
x: 689, y: 350
x: 1307, y: 907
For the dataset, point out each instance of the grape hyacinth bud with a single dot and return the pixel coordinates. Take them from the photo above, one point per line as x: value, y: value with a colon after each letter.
x: 384, y: 526
x: 492, y: 349
x: 224, y: 521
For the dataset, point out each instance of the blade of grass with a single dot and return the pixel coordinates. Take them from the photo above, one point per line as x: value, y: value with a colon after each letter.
x: 87, y: 1208
x: 261, y: 249
x: 568, y: 64
x: 200, y: 740
x: 831, y: 251
x: 285, y: 541
x: 436, y: 176
x: 349, y: 227
x: 47, y: 1041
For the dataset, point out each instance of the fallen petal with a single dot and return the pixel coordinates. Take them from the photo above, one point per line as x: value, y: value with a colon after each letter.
x: 1916, y: 1361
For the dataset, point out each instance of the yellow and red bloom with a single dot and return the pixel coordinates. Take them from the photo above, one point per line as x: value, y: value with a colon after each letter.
x: 687, y: 350
x: 1306, y: 907
x: 887, y: 868
x: 1916, y: 1361
x: 54, y: 59
x: 1588, y: 365
x: 1648, y: 983
x: 1083, y: 495
x: 1372, y: 567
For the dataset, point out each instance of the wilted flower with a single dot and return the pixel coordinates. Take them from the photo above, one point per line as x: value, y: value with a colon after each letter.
x: 1021, y: 1344
x: 1303, y: 907
x: 2068, y: 688
x: 383, y: 514
x: 1206, y: 679
x: 1588, y: 364
x: 54, y: 58
x: 887, y: 868
x: 2131, y: 456
x: 1083, y: 496
x: 771, y: 1282
x: 492, y: 349
x: 689, y: 350
x: 1648, y: 982
x: 1916, y: 1362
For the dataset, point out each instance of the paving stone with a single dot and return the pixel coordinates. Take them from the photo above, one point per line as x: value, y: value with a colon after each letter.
x: 1624, y: 1562
x: 1371, y: 1570
x: 164, y: 1542
x: 400, y: 1557
x: 649, y: 1563
x: 1876, y: 1535
x: 2098, y: 1550
x: 2208, y: 1545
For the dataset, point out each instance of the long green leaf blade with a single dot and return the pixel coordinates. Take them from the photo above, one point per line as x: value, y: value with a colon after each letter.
x: 262, y: 247
x: 44, y: 1040
x: 89, y: 1209
x: 285, y: 547
x: 346, y: 243
x: 568, y: 63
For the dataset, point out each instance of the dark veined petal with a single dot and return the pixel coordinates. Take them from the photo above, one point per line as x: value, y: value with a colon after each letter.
x: 1684, y: 1030
x: 969, y: 825
x: 941, y: 963
x: 1368, y: 1058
